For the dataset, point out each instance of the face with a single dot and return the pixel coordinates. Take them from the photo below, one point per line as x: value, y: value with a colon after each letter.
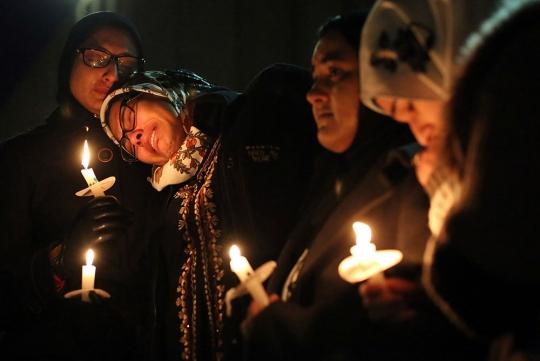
x: 425, y: 119
x: 157, y: 133
x: 334, y: 95
x: 88, y: 85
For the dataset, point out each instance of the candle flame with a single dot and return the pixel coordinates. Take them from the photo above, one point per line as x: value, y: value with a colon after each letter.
x: 363, y: 233
x: 89, y: 257
x: 234, y: 252
x: 86, y: 155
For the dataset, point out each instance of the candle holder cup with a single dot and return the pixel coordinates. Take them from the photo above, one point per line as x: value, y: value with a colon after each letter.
x: 97, y: 189
x: 354, y: 270
x: 258, y: 276
x: 84, y: 294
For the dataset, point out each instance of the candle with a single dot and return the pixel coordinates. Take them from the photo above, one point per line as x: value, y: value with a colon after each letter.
x: 88, y: 275
x: 365, y: 261
x: 88, y: 173
x: 241, y: 267
x: 364, y: 252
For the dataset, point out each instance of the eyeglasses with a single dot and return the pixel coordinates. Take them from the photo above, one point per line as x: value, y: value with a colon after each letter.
x: 100, y: 58
x: 128, y: 120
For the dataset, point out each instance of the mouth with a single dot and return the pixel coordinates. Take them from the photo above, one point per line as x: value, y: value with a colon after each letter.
x: 323, y: 118
x: 153, y: 140
x: 101, y: 90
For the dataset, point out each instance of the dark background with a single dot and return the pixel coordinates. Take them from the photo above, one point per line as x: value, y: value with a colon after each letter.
x: 226, y: 41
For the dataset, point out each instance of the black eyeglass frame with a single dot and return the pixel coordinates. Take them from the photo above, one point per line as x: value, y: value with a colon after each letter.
x: 128, y: 150
x: 111, y: 57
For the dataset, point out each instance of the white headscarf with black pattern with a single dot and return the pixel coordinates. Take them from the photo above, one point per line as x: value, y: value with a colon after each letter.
x: 410, y: 49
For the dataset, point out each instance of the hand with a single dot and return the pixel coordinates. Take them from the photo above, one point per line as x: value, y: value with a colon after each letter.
x: 425, y: 163
x: 254, y: 309
x: 101, y: 224
x: 389, y: 301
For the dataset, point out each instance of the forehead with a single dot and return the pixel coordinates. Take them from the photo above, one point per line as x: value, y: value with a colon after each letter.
x: 332, y: 46
x: 114, y: 39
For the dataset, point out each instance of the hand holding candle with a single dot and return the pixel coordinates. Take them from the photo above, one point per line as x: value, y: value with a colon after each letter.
x: 243, y: 270
x: 365, y: 261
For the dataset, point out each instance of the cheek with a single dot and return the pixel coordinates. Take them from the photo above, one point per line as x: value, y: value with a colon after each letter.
x: 147, y: 157
x: 345, y: 100
x: 78, y: 79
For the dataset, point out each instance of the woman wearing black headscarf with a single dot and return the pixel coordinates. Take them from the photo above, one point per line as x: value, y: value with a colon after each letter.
x: 319, y: 315
x: 41, y: 175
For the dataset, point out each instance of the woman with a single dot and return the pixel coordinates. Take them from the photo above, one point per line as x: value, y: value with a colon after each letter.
x: 469, y: 260
x: 362, y: 178
x: 490, y: 235
x: 234, y: 167
x: 39, y: 203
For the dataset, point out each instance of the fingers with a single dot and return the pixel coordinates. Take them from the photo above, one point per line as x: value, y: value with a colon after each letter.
x: 400, y: 285
x: 389, y: 301
x: 95, y: 298
x: 107, y: 207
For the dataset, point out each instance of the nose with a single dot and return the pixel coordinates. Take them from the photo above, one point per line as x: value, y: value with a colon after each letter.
x: 135, y: 137
x: 318, y: 93
x: 111, y: 72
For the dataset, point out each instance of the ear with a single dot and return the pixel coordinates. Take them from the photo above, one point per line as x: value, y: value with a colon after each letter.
x: 185, y: 117
x: 188, y: 113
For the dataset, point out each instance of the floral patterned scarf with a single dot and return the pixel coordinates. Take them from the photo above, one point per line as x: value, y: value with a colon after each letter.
x: 184, y: 164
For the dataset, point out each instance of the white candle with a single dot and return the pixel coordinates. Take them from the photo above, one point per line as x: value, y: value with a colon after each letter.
x: 88, y: 173
x: 88, y: 275
x: 364, y: 252
x: 243, y: 270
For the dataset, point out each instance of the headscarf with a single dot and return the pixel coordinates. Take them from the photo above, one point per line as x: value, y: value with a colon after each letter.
x: 176, y: 87
x: 80, y: 33
x: 410, y: 49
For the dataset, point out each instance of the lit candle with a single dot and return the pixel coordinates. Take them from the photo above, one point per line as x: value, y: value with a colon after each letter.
x: 243, y: 270
x: 365, y: 261
x: 365, y: 252
x: 88, y: 173
x: 88, y: 275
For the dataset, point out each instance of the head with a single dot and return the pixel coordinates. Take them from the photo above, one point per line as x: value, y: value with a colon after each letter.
x: 493, y: 142
x: 147, y: 115
x: 102, y: 49
x: 492, y: 112
x: 409, y: 59
x: 334, y: 94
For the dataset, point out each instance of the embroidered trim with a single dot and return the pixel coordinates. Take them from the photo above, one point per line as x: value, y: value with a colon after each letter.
x: 185, y: 163
x: 204, y: 264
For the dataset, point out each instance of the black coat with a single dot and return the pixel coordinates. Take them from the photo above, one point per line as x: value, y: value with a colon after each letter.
x: 40, y: 178
x: 265, y: 142
x: 324, y: 318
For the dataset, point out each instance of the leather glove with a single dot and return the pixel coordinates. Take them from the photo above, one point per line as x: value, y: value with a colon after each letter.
x: 101, y: 225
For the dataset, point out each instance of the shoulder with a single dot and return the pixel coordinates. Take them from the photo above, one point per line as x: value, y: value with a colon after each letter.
x: 281, y: 79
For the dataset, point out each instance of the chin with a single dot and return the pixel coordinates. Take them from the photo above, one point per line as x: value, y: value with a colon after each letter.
x: 330, y: 144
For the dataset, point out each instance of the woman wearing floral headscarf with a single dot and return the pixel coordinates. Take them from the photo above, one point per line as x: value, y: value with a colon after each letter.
x: 234, y: 167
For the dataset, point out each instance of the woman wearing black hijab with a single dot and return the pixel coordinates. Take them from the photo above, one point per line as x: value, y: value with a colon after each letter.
x: 41, y: 175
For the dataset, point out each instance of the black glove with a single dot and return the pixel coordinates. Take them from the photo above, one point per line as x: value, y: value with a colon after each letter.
x: 101, y: 225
